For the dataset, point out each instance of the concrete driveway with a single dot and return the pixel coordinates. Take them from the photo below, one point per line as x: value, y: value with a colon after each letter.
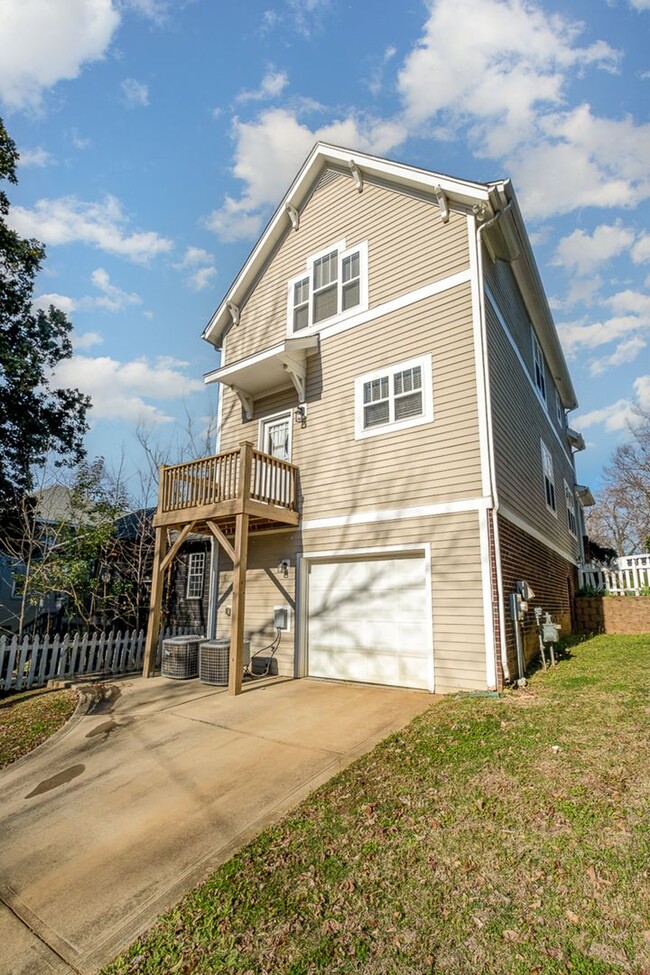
x: 136, y: 801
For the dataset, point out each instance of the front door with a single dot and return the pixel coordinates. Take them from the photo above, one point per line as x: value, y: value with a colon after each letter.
x: 273, y: 482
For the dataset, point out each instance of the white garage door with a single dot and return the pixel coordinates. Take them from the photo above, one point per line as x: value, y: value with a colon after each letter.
x: 369, y: 620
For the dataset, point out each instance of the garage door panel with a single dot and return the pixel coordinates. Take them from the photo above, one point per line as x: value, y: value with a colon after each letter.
x: 369, y: 620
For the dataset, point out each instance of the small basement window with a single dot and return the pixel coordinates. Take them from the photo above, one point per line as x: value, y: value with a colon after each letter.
x: 195, y: 575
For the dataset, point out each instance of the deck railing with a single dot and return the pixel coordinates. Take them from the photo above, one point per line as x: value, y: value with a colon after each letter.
x: 626, y: 574
x: 240, y: 473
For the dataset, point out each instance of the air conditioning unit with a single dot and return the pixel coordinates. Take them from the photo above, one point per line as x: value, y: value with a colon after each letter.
x: 180, y: 657
x: 214, y: 659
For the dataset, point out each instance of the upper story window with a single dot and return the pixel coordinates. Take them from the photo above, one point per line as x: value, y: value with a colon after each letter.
x: 559, y: 410
x: 195, y: 573
x: 549, y: 478
x: 538, y: 366
x: 334, y: 285
x: 393, y: 398
x: 570, y: 510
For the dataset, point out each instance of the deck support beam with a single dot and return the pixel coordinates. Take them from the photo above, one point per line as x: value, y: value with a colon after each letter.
x: 155, y: 603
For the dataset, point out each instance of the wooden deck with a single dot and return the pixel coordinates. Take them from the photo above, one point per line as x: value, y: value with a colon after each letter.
x: 218, y: 488
x: 232, y: 494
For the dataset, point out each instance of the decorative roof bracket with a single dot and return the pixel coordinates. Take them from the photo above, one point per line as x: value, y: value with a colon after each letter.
x: 356, y: 175
x: 443, y: 203
x: 294, y: 216
x: 297, y: 373
x: 234, y: 312
x: 246, y: 401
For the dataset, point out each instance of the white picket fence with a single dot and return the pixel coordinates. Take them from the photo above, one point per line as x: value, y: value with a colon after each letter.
x: 628, y: 574
x: 34, y: 660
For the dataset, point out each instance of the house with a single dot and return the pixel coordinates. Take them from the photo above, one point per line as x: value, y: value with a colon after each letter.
x: 393, y: 458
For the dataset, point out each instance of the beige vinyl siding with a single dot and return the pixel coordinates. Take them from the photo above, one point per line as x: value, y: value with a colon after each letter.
x: 456, y: 587
x: 409, y: 247
x: 520, y: 423
x: 434, y: 462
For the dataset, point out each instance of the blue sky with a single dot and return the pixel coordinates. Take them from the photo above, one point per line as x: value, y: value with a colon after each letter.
x: 157, y: 136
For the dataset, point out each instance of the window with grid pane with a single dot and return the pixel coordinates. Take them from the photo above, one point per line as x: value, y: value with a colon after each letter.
x: 394, y: 398
x: 375, y: 402
x: 549, y: 478
x: 570, y: 510
x: 334, y: 285
x: 538, y: 366
x: 195, y: 573
x: 326, y: 287
x: 301, y: 304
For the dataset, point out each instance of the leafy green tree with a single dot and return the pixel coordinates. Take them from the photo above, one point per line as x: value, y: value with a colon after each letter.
x: 36, y: 419
x: 78, y: 548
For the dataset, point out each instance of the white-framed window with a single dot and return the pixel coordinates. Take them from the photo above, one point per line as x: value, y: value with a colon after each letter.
x: 559, y: 410
x: 195, y: 574
x: 538, y: 366
x: 393, y: 398
x: 549, y: 479
x: 332, y: 286
x: 570, y: 500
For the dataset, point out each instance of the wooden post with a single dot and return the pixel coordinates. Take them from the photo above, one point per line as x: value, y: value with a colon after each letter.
x: 153, y: 625
x: 236, y: 663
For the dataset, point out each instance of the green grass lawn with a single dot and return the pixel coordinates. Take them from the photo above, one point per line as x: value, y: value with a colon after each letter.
x: 505, y: 835
x: 28, y: 718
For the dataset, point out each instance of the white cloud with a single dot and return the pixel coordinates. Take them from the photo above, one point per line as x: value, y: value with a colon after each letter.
x: 630, y: 303
x: 155, y: 10
x: 626, y: 352
x: 135, y: 94
x: 577, y: 335
x: 194, y: 256
x: 86, y: 340
x: 36, y: 157
x: 510, y: 62
x: 273, y: 84
x: 641, y: 250
x: 66, y: 304
x: 120, y: 390
x: 620, y: 415
x: 42, y: 43
x: 617, y: 416
x: 583, y: 253
x: 640, y: 4
x: 67, y: 220
x: 201, y: 264
x: 201, y: 278
x: 112, y: 298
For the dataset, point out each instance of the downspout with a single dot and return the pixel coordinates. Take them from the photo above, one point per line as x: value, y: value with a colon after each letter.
x: 488, y: 410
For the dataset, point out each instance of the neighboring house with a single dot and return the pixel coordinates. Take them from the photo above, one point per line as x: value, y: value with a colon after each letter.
x: 389, y: 356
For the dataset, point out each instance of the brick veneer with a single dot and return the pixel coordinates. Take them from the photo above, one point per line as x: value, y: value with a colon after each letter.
x: 553, y: 578
x: 613, y: 614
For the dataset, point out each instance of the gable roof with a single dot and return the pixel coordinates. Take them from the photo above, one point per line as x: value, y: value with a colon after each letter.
x: 494, y: 204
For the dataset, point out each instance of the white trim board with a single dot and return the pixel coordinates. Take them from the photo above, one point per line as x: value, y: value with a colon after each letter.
x: 488, y: 619
x: 398, y: 514
x: 396, y: 304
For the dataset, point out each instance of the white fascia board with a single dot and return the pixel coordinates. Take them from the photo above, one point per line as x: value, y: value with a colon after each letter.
x: 457, y: 190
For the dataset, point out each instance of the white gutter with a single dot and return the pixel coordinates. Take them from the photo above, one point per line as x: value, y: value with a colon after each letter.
x: 490, y: 438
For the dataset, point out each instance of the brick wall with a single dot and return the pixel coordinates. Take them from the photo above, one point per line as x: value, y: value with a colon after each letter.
x: 553, y: 578
x: 613, y: 614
